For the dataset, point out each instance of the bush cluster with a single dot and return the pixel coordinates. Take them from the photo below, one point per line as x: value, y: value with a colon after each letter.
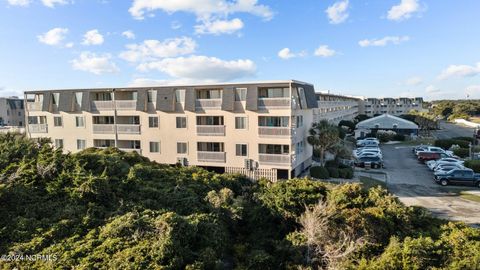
x: 319, y: 172
x: 473, y: 164
x: 332, y: 169
x: 461, y: 152
x: 447, y: 143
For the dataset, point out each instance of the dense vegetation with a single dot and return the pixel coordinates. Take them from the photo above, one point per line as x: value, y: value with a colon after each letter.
x: 105, y: 209
x: 453, y: 109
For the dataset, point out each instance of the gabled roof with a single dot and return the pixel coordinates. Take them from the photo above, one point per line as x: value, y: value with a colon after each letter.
x: 387, y: 121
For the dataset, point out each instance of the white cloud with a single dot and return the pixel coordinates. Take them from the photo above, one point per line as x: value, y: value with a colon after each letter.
x: 52, y: 3
x: 337, y: 13
x: 473, y: 91
x: 22, y: 3
x: 92, y: 37
x: 96, y: 64
x: 383, y: 41
x: 218, y: 27
x: 176, y: 25
x: 403, y: 10
x: 460, y: 71
x: 202, y: 68
x: 324, y: 51
x: 53, y: 37
x: 128, y: 34
x: 285, y: 54
x: 201, y: 8
x: 151, y: 50
x: 414, y: 81
x: 432, y: 89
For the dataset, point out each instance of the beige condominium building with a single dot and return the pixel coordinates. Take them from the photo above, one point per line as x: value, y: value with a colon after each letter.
x: 335, y: 108
x: 257, y: 129
x: 393, y: 106
x: 12, y: 113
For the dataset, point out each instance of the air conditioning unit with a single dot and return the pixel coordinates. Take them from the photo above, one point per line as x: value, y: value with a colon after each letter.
x: 248, y: 164
x: 182, y: 161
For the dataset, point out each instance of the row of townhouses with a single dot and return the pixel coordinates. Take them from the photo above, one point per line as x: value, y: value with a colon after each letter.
x: 393, y: 106
x: 12, y: 112
x: 257, y: 129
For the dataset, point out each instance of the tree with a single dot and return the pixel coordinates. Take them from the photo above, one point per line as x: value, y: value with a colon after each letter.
x: 323, y: 136
x: 349, y: 124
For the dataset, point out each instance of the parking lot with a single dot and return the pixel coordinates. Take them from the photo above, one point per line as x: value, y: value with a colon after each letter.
x: 413, y: 183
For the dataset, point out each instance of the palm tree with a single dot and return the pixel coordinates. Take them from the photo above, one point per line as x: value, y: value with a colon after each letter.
x: 323, y: 136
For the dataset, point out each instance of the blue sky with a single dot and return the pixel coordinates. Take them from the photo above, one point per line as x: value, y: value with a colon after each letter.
x: 372, y: 48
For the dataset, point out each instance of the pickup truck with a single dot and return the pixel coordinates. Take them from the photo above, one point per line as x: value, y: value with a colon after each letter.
x: 464, y: 177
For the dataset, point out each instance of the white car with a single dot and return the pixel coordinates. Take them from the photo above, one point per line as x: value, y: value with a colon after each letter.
x: 435, y: 149
x: 372, y: 139
x: 448, y: 167
x: 447, y: 161
x: 367, y: 143
x: 367, y: 154
x: 371, y: 150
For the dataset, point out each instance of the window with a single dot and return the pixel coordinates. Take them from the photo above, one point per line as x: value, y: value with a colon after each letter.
x: 181, y: 122
x: 19, y: 113
x: 180, y: 95
x: 273, y: 121
x: 182, y: 148
x: 273, y: 92
x: 210, y: 147
x: 300, y: 147
x: 154, y: 147
x: 240, y: 94
x: 57, y: 121
x: 58, y: 143
x: 78, y: 98
x: 274, y: 149
x: 55, y: 98
x: 153, y: 122
x: 103, y: 120
x: 241, y: 150
x: 79, y: 121
x: 240, y: 122
x: 103, y: 143
x: 81, y: 144
x: 209, y: 94
x: 299, y: 121
x: 32, y: 120
x: 152, y: 96
x: 210, y: 120
x: 102, y: 96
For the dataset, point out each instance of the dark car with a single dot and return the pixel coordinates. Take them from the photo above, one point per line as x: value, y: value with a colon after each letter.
x: 375, y: 162
x: 465, y: 177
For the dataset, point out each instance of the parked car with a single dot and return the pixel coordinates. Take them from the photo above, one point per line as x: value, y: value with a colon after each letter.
x: 438, y: 150
x: 459, y: 177
x: 357, y: 152
x: 432, y: 165
x: 372, y: 139
x: 418, y: 149
x: 368, y: 154
x: 447, y: 167
x: 375, y: 162
x: 427, y: 156
x: 363, y: 143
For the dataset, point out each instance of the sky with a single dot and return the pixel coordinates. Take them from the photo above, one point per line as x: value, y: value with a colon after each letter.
x: 372, y: 48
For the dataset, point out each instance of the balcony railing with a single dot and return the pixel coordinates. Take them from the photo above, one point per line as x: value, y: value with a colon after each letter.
x: 128, y: 129
x: 274, y: 102
x: 131, y: 150
x: 102, y: 105
x: 211, y: 156
x: 103, y: 129
x: 274, y: 158
x: 208, y: 103
x: 274, y: 131
x: 126, y: 104
x: 38, y: 128
x: 34, y: 106
x: 210, y: 130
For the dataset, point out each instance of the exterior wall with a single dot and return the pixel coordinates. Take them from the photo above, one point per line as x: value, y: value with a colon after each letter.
x: 168, y: 135
x: 336, y: 108
x: 392, y: 106
x: 12, y: 112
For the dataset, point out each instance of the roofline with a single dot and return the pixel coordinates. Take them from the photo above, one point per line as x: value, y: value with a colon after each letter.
x: 388, y: 116
x: 337, y: 95
x: 174, y: 86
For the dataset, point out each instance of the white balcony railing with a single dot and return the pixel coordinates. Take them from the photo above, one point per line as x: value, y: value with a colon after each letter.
x: 126, y: 104
x: 274, y: 158
x: 211, y: 156
x: 102, y: 105
x: 34, y: 106
x: 128, y: 129
x: 208, y: 103
x: 131, y: 150
x: 103, y: 129
x: 274, y: 131
x: 210, y: 130
x: 38, y: 128
x: 274, y: 102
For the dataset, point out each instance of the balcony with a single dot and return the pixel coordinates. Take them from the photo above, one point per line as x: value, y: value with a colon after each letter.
x: 274, y: 131
x: 274, y: 102
x: 34, y: 106
x: 210, y: 130
x: 126, y: 104
x: 38, y: 128
x: 219, y: 157
x: 208, y: 103
x: 139, y: 151
x: 128, y: 129
x: 103, y: 129
x: 102, y: 105
x: 275, y: 159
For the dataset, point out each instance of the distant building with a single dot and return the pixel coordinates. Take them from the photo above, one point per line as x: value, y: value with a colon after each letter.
x: 392, y: 106
x: 335, y: 108
x: 386, y: 122
x: 12, y: 113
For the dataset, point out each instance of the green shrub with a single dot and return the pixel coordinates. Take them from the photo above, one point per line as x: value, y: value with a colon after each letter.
x: 468, y: 139
x: 331, y: 163
x: 462, y: 152
x: 333, y: 172
x: 346, y: 173
x: 399, y: 137
x: 447, y: 143
x: 473, y: 164
x: 319, y: 172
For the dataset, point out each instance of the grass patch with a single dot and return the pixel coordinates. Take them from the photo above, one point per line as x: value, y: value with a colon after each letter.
x: 469, y: 196
x: 369, y: 183
x: 429, y: 141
